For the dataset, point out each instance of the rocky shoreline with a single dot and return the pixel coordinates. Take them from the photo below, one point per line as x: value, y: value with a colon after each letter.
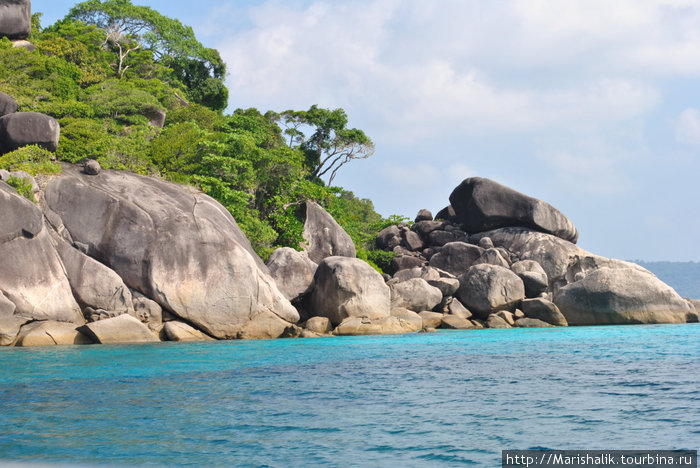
x: 114, y: 257
x: 103, y: 256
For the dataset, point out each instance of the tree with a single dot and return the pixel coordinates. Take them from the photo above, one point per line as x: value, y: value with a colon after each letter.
x: 131, y: 27
x: 331, y: 145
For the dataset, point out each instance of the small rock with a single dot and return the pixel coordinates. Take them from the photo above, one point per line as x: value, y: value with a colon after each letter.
x: 411, y: 318
x: 454, y: 322
x: 415, y: 294
x: 431, y: 319
x: 320, y: 325
x: 544, y: 310
x: 180, y: 331
x: 121, y: 329
x: 531, y: 323
x: 507, y: 316
x: 424, y: 215
x: 412, y: 241
x: 91, y: 167
x: 494, y: 321
x: 486, y: 243
x: 457, y: 309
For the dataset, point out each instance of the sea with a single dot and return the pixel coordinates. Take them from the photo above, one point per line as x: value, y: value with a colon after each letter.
x: 450, y: 398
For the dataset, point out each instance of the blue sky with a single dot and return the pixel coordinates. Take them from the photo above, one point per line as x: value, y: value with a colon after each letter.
x: 592, y: 106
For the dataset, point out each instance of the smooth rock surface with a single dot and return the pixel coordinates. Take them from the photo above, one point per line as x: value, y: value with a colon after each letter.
x: 32, y: 276
x: 454, y: 322
x: 28, y: 128
x: 323, y: 236
x: 50, y: 333
x: 146, y: 311
x: 7, y: 104
x: 121, y: 329
x: 544, y: 310
x: 533, y: 275
x: 494, y: 321
x: 527, y: 322
x: 292, y: 271
x: 431, y: 319
x: 610, y: 296
x: 320, y: 325
x: 180, y: 331
x: 356, y: 326
x: 7, y: 307
x: 482, y: 205
x: 552, y: 253
x: 92, y: 283
x: 415, y: 294
x: 412, y: 320
x: 456, y: 257
x: 15, y: 19
x: 178, y: 247
x: 348, y: 287
x: 485, y: 289
x: 9, y: 328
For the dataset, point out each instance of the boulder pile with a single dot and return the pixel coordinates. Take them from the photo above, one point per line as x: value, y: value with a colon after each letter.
x: 114, y: 257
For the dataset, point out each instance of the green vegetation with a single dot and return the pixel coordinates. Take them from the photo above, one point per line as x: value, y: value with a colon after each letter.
x: 23, y: 187
x: 110, y: 70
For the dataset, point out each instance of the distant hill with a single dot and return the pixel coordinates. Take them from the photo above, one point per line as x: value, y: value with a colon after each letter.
x: 684, y: 277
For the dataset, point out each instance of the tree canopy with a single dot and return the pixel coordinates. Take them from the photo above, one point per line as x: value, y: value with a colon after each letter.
x: 244, y: 159
x: 130, y: 27
x: 331, y: 145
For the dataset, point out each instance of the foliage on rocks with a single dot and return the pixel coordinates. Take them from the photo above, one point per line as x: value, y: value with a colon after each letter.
x: 104, y: 99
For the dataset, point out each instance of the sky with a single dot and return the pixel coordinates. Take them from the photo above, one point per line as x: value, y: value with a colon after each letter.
x: 590, y: 105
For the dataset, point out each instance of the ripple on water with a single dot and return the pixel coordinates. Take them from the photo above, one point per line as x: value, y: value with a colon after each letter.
x: 441, y: 399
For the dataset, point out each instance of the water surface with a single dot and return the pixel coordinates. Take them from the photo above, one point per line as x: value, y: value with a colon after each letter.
x: 441, y: 399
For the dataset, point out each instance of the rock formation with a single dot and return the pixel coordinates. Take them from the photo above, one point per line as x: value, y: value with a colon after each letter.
x: 179, y: 248
x: 28, y: 128
x: 323, y: 236
x: 15, y: 19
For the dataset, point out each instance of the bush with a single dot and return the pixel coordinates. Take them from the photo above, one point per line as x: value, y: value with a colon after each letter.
x: 23, y: 187
x: 32, y: 159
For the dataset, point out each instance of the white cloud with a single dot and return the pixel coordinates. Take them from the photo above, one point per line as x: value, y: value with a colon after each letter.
x: 465, y: 67
x: 688, y: 127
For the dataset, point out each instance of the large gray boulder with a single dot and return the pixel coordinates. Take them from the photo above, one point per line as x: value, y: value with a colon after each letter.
x: 456, y: 257
x: 485, y: 289
x: 552, y: 253
x: 533, y: 275
x: 348, y: 287
x: 609, y: 296
x: 292, y: 271
x: 32, y: 276
x: 7, y: 104
x: 323, y: 236
x: 121, y: 329
x: 28, y: 128
x: 482, y: 205
x: 414, y: 294
x: 176, y: 246
x: 15, y: 19
x: 544, y: 310
x: 93, y: 284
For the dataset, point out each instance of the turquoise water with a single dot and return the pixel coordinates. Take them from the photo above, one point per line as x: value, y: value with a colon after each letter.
x: 441, y: 399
